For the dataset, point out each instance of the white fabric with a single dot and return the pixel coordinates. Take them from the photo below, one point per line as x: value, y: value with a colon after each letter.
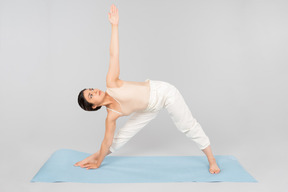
x: 163, y: 95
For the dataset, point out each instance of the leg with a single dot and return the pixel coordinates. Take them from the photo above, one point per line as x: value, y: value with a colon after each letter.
x: 187, y: 124
x: 212, y: 162
x: 184, y: 121
x: 134, y: 124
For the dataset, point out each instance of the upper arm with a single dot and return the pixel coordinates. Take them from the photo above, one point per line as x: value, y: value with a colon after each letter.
x: 114, y: 69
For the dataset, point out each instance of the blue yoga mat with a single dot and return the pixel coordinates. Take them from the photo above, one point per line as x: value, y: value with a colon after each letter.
x: 140, y: 169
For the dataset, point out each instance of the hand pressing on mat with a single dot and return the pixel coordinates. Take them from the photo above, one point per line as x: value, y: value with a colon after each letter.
x: 91, y: 159
x: 96, y: 163
x: 91, y: 165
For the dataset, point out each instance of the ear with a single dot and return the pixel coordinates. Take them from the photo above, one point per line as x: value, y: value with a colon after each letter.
x: 94, y: 106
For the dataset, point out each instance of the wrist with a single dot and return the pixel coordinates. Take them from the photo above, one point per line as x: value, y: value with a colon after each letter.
x: 96, y: 154
x: 98, y: 165
x: 114, y: 25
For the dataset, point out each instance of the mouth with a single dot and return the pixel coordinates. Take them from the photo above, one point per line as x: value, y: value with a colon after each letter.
x: 99, y: 92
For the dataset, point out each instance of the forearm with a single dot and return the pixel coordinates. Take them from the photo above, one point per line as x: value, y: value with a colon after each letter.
x: 103, y: 152
x: 114, y: 46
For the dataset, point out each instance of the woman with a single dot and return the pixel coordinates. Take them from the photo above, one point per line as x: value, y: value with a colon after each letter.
x: 144, y: 100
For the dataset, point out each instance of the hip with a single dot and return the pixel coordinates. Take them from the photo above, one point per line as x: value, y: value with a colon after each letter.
x: 161, y: 94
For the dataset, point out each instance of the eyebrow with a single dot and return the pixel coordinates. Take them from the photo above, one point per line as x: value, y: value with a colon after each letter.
x: 89, y: 94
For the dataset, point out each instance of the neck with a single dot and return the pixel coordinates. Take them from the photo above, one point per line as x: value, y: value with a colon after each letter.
x: 108, y: 100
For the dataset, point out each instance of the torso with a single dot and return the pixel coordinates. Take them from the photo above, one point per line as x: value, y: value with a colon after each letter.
x: 116, y: 105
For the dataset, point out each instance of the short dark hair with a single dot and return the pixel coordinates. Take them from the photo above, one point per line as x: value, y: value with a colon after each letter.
x: 84, y: 104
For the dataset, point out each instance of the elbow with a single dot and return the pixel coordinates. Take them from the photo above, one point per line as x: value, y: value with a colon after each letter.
x: 114, y: 55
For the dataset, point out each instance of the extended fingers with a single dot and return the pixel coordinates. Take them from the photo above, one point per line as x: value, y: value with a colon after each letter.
x: 84, y: 165
x: 87, y: 165
x: 113, y: 9
x: 91, y: 166
x: 78, y: 164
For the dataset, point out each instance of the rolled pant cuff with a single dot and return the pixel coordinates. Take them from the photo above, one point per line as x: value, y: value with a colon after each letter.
x: 111, y: 149
x: 204, y: 146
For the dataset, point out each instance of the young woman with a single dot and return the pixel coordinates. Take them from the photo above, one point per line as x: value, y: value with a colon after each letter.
x: 144, y: 100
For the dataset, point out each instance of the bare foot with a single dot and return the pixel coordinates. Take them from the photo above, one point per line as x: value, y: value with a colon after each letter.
x: 214, y: 168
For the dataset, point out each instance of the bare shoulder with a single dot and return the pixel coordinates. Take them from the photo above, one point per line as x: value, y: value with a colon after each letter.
x: 112, y: 116
x: 114, y: 83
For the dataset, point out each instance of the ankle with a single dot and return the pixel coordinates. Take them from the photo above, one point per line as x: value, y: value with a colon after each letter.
x: 212, y: 160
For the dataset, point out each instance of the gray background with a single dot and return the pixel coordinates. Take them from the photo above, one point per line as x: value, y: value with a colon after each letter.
x: 227, y: 58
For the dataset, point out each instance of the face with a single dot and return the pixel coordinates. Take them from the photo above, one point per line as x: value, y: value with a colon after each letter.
x: 94, y: 96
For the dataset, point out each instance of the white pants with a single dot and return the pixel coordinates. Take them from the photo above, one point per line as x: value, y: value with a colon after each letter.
x: 162, y: 95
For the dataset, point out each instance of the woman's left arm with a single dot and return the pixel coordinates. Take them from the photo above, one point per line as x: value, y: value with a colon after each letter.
x: 114, y: 68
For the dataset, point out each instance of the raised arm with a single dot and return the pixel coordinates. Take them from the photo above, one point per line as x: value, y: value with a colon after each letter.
x: 114, y: 68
